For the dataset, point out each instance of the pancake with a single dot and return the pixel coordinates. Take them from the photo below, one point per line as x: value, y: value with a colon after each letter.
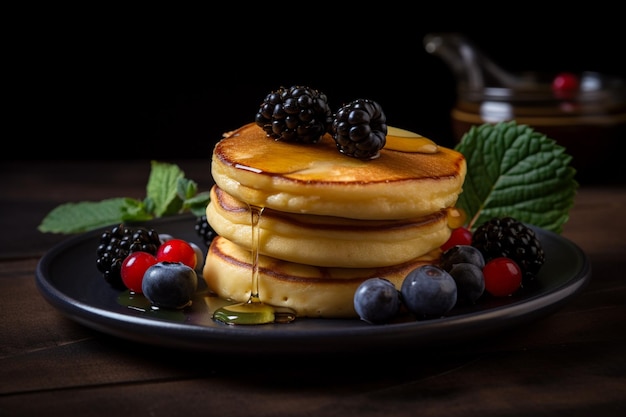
x: 317, y: 179
x: 309, y: 290
x: 326, y: 240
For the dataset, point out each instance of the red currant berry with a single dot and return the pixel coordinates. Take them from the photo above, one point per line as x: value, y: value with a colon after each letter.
x: 134, y: 267
x: 565, y: 82
x: 502, y: 277
x: 459, y: 236
x: 177, y: 250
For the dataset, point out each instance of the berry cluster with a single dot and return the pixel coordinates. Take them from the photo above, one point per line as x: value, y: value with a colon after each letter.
x: 509, y: 238
x: 302, y: 114
x: 160, y: 267
x: 119, y: 242
x: 427, y: 291
x: 495, y: 260
x: 499, y: 276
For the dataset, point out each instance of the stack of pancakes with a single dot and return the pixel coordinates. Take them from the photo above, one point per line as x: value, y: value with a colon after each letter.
x: 328, y: 222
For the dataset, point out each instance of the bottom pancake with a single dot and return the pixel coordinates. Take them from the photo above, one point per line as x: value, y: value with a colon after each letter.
x: 311, y: 291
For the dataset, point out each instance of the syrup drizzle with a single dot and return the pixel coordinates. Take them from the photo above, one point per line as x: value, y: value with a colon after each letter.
x: 254, y: 311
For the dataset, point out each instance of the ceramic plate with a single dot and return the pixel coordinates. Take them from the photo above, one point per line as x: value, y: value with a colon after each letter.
x: 68, y: 279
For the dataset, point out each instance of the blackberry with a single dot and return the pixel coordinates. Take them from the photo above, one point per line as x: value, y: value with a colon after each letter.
x: 512, y: 239
x: 204, y: 230
x: 295, y: 114
x: 116, y: 244
x: 360, y: 128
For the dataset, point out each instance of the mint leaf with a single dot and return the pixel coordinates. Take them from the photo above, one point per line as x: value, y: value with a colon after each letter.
x: 198, y: 203
x: 83, y: 216
x: 515, y: 171
x: 162, y: 188
x: 136, y: 211
x: 186, y: 188
x: 168, y: 193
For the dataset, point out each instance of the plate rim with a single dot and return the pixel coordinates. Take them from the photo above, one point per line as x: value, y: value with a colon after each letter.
x: 355, y: 337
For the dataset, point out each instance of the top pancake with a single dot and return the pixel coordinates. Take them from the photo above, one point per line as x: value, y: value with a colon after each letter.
x: 318, y: 179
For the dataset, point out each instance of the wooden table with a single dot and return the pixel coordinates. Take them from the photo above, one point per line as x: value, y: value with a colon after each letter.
x: 570, y: 363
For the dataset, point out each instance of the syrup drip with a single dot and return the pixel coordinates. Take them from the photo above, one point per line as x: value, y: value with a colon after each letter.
x: 254, y: 311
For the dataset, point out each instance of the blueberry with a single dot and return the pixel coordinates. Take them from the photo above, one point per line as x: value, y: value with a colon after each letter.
x: 169, y: 284
x: 461, y: 254
x: 470, y: 282
x: 376, y: 300
x: 429, y: 291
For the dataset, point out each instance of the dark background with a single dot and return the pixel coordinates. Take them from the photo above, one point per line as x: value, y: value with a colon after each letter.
x: 116, y: 84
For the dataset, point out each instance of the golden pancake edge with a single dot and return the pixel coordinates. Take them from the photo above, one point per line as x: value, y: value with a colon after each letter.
x: 326, y: 240
x: 318, y: 179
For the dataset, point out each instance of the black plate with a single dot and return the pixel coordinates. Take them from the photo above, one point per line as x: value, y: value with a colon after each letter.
x: 67, y: 277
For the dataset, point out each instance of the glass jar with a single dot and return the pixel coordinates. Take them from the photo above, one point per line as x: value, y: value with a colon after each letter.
x: 588, y: 118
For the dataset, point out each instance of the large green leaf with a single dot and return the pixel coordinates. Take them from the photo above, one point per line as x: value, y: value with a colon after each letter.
x: 518, y: 172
